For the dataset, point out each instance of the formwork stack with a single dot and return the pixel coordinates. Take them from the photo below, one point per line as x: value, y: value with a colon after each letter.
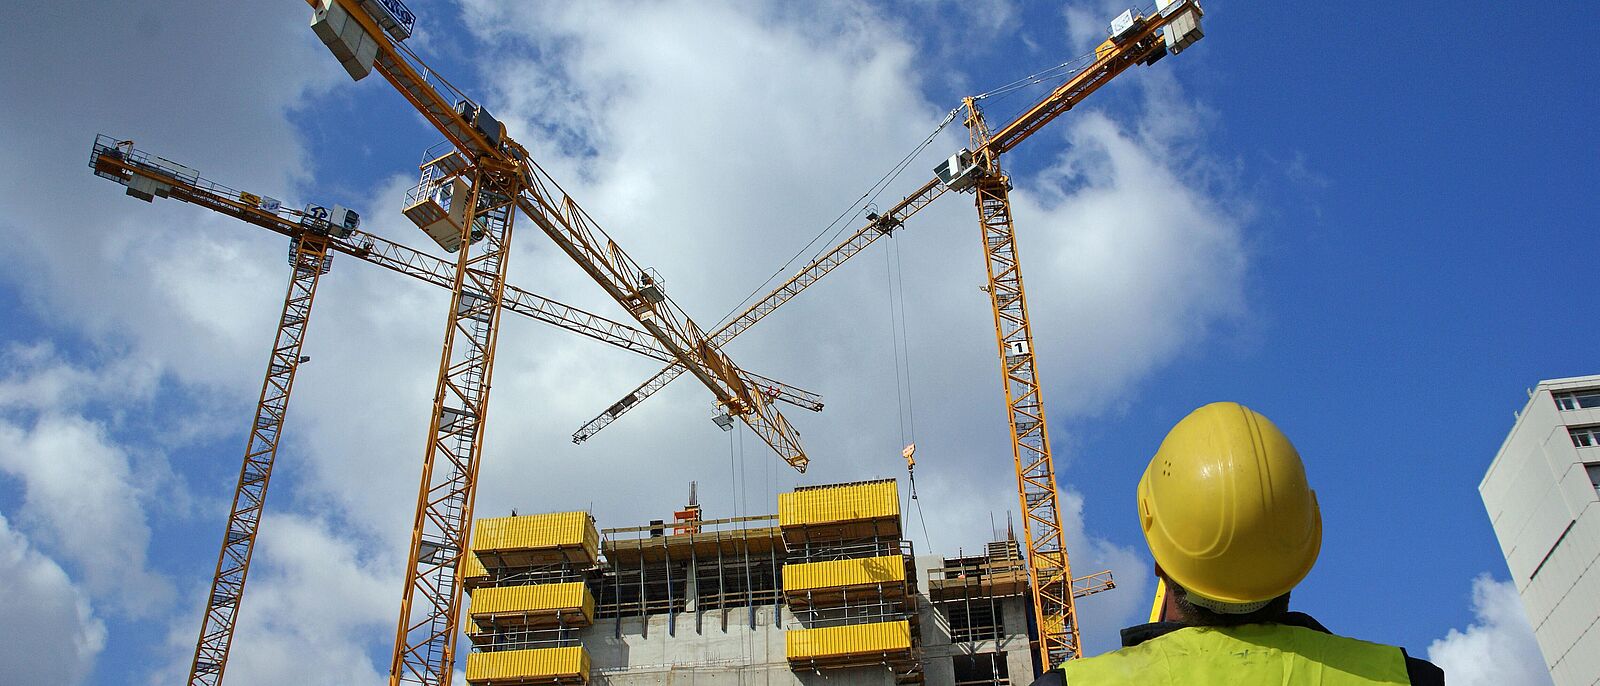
x: 846, y: 580
x: 527, y: 580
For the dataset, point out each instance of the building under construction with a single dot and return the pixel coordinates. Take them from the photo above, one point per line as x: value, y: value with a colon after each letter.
x: 826, y: 589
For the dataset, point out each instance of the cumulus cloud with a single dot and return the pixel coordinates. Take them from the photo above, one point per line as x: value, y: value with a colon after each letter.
x: 77, y: 482
x: 1136, y: 262
x: 1497, y: 648
x: 314, y: 608
x: 54, y: 636
x: 117, y: 271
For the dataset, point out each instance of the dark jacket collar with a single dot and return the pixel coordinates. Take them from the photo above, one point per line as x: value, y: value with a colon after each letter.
x: 1134, y: 635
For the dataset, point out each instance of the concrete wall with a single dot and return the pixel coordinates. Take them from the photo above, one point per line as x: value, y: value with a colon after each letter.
x: 1546, y: 516
x: 713, y: 648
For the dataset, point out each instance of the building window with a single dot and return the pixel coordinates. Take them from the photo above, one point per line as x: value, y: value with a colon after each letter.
x: 1585, y: 436
x: 1594, y: 476
x: 1575, y: 400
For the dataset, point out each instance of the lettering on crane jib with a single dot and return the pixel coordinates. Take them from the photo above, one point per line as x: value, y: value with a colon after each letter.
x: 400, y: 13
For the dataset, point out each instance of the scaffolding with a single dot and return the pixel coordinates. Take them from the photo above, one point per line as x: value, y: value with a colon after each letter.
x: 703, y: 567
x: 969, y: 594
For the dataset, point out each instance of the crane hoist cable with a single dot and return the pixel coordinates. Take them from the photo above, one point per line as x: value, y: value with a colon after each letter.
x: 900, y: 344
x: 846, y: 217
x: 906, y: 412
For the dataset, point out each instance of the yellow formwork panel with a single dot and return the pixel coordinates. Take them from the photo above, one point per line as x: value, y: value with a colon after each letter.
x: 838, y: 504
x: 538, y: 603
x: 869, y: 571
x: 544, y: 665
x: 563, y: 535
x: 472, y: 571
x: 845, y: 641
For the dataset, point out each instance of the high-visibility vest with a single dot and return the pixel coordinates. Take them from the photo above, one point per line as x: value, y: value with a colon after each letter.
x: 1249, y: 655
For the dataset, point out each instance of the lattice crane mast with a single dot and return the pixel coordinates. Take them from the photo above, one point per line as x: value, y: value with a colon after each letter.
x: 1135, y: 39
x: 468, y: 197
x: 315, y: 233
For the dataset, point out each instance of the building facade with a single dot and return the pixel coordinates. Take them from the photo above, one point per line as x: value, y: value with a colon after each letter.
x: 824, y: 592
x: 1543, y: 496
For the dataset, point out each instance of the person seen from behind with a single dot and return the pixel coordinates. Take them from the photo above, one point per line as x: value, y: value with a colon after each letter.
x: 1233, y: 527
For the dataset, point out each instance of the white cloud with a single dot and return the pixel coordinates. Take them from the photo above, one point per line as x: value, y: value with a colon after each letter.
x: 78, y: 483
x: 54, y: 636
x: 1102, y: 616
x: 1498, y: 648
x: 1088, y: 23
x: 1129, y: 263
x: 37, y: 379
x: 109, y: 267
x: 314, y: 608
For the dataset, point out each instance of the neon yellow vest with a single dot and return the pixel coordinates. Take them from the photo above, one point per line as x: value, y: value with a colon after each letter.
x: 1249, y: 655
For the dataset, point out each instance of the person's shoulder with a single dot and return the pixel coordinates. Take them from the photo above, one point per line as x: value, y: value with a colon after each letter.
x: 1419, y: 672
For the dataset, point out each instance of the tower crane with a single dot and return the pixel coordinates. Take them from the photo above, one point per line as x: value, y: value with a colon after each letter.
x: 466, y: 199
x: 1135, y: 39
x: 315, y: 233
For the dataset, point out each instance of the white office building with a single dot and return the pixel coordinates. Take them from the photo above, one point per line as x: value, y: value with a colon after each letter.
x: 1543, y: 496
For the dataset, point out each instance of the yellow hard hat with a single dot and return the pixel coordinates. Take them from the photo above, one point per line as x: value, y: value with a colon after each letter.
x: 1226, y: 510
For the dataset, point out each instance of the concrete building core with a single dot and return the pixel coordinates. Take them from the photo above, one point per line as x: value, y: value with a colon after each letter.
x: 824, y: 592
x: 1543, y: 496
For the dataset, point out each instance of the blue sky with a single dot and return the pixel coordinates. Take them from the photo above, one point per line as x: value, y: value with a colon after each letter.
x: 1365, y: 220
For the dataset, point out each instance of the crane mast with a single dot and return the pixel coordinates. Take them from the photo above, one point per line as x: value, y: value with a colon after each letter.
x: 1049, y: 574
x: 1049, y: 569
x: 310, y: 259
x: 426, y: 635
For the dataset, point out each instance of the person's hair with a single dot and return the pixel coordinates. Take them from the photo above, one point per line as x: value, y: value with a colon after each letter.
x: 1194, y: 615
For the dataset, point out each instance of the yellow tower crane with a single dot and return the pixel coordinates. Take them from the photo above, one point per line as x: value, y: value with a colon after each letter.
x: 315, y: 233
x: 1134, y: 39
x: 467, y: 198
